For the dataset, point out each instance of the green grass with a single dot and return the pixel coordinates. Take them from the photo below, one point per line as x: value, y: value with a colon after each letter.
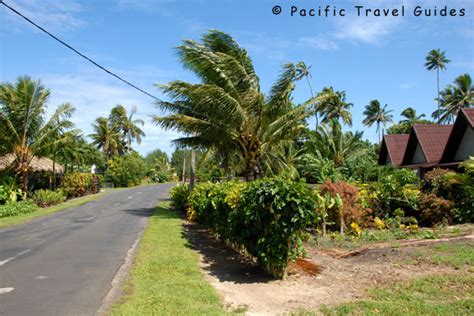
x: 370, y: 237
x: 165, y: 278
x: 455, y: 255
x: 432, y: 295
x: 42, y: 212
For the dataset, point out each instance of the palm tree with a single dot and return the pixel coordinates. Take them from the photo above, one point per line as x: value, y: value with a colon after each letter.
x: 330, y: 142
x: 410, y: 116
x: 454, y: 97
x: 127, y: 124
x: 302, y: 71
x: 376, y: 114
x: 227, y: 112
x: 108, y: 137
x: 436, y: 60
x: 333, y: 105
x: 25, y: 131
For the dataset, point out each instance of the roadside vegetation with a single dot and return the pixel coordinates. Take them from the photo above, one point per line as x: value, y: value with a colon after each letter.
x: 165, y: 278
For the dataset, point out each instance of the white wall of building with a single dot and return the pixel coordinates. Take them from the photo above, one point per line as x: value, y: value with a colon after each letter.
x: 466, y: 147
x: 418, y: 157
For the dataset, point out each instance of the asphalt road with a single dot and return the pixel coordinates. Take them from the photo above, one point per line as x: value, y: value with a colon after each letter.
x: 64, y: 264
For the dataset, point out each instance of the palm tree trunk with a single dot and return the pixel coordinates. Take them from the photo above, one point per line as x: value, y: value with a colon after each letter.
x: 312, y: 97
x: 437, y: 81
x: 184, y: 167
x: 249, y: 169
x: 54, y: 171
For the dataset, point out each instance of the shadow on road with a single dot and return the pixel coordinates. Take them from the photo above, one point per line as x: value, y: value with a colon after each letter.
x: 220, y: 261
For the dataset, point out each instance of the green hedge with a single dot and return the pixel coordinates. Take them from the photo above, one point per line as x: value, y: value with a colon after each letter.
x: 44, y: 198
x: 78, y: 184
x: 17, y: 208
x: 266, y: 217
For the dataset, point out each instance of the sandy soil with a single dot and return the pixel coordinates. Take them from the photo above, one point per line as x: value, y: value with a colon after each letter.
x: 245, y: 286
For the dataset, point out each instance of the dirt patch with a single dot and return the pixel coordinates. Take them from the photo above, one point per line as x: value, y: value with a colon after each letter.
x: 321, y: 279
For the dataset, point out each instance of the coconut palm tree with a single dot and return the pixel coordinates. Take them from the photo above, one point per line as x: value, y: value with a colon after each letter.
x: 108, y: 137
x: 454, y: 97
x: 410, y: 116
x: 127, y: 124
x: 227, y: 112
x: 436, y: 60
x: 377, y: 114
x: 332, y: 143
x: 302, y: 71
x: 332, y: 105
x: 25, y: 130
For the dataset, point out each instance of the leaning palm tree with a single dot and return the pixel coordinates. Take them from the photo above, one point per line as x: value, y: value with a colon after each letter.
x: 436, y: 60
x: 410, y: 116
x: 25, y: 132
x: 129, y: 126
x: 302, y: 71
x: 227, y: 112
x: 108, y: 137
x: 377, y: 114
x: 332, y: 105
x: 454, y: 97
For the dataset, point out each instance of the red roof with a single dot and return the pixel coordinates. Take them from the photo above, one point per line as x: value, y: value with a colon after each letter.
x: 432, y: 139
x: 469, y: 113
x: 396, y: 145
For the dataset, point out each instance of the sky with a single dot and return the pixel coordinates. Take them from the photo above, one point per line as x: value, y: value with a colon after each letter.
x: 367, y: 56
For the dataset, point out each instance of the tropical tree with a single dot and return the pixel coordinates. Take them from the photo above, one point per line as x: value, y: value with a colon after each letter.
x: 25, y: 130
x: 377, y: 114
x: 454, y: 97
x: 410, y: 116
x: 436, y: 60
x: 333, y: 144
x: 332, y: 105
x: 302, y: 71
x: 227, y: 112
x: 129, y: 127
x: 108, y: 137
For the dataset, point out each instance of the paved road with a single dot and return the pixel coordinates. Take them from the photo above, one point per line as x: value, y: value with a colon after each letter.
x: 64, y: 264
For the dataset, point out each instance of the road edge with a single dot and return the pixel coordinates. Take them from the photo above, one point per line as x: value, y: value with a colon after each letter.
x: 116, y: 290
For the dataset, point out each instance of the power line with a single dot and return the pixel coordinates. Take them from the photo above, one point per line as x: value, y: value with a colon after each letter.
x: 78, y: 52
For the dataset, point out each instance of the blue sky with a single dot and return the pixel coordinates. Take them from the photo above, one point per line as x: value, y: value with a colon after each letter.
x: 368, y: 57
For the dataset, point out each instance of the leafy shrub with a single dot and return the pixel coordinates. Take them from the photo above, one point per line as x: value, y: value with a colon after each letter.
x: 266, y: 218
x: 9, y: 191
x: 44, y: 198
x: 126, y: 171
x: 436, y: 181
x: 435, y: 210
x: 352, y: 210
x: 17, y: 208
x: 179, y: 197
x: 79, y: 184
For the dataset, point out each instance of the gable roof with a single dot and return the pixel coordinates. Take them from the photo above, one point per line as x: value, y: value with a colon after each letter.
x: 464, y: 119
x: 393, y: 146
x: 432, y: 139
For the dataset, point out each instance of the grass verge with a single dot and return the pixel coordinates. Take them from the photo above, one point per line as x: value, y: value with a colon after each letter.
x: 42, y: 212
x: 432, y: 295
x: 165, y: 278
x: 456, y: 255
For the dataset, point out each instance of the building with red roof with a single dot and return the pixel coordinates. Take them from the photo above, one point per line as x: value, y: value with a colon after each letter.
x: 431, y: 145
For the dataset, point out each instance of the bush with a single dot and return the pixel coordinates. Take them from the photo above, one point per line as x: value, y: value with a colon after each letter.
x: 435, y: 210
x: 266, y: 218
x: 126, y: 171
x: 353, y: 211
x: 17, y: 208
x: 9, y: 191
x: 44, y: 198
x: 179, y: 197
x: 80, y: 184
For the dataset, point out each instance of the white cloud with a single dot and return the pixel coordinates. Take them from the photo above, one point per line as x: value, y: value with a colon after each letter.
x: 322, y: 42
x: 94, y: 94
x: 407, y: 85
x: 57, y: 16
x: 365, y: 29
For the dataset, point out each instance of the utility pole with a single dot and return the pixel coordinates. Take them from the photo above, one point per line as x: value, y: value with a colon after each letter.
x: 193, y: 169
